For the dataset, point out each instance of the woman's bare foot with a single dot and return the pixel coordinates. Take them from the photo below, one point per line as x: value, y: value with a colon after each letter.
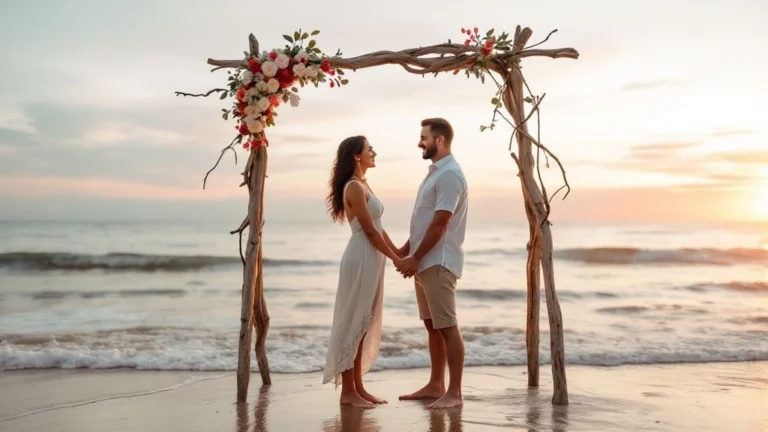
x: 371, y: 398
x: 449, y: 400
x: 355, y: 400
x: 428, y: 392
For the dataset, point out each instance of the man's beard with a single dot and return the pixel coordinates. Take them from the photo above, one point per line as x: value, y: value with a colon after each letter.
x: 429, y: 152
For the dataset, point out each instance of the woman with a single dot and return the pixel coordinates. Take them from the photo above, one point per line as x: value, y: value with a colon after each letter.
x: 356, y: 332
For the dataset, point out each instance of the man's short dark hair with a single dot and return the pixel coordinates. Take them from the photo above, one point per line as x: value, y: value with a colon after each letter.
x: 439, y: 127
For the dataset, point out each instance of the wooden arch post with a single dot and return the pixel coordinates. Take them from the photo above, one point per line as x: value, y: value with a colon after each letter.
x: 449, y: 57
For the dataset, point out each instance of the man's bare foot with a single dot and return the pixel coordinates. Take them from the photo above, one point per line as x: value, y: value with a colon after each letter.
x: 449, y: 400
x: 355, y: 400
x: 371, y: 398
x: 428, y: 392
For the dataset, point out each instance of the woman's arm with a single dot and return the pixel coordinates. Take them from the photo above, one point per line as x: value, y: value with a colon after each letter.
x: 358, y: 203
x: 390, y: 244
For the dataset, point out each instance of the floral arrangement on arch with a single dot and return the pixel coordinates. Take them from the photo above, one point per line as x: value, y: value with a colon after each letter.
x: 270, y: 78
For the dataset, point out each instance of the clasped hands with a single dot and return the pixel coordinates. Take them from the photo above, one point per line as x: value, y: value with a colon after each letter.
x: 406, y: 265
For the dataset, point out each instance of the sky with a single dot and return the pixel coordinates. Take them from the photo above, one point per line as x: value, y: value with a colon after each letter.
x: 662, y: 118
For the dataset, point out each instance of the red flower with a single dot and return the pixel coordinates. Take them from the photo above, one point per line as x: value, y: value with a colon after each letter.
x: 244, y: 129
x: 285, y: 77
x: 254, y: 65
x: 240, y: 93
x: 246, y: 145
x: 273, y: 55
x: 333, y: 84
x: 486, y: 51
x: 325, y: 65
x: 477, y: 30
x: 466, y: 42
x: 241, y: 107
x: 274, y: 100
x: 268, y: 113
x: 463, y: 30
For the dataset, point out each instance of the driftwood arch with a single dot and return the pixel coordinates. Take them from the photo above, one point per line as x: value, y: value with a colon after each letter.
x: 502, y: 59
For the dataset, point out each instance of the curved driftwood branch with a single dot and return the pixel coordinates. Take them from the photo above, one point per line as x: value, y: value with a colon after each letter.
x: 452, y: 57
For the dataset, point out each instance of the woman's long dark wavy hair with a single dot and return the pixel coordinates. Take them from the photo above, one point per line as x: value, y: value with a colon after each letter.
x: 343, y: 170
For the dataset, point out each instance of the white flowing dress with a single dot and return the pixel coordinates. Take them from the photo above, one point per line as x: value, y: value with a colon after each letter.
x: 359, y: 299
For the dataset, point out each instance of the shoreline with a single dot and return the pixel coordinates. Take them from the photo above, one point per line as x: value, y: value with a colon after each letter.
x: 663, y: 397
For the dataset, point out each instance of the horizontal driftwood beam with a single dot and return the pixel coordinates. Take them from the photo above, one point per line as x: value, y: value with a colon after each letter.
x: 445, y: 57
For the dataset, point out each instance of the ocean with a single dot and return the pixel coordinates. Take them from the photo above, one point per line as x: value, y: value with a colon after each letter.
x: 166, y: 295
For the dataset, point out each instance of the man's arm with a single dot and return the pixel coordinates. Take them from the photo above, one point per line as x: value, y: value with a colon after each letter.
x: 406, y: 249
x: 434, y: 233
x: 449, y: 188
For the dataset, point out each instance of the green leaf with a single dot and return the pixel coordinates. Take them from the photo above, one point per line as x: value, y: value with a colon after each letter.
x: 344, y: 81
x: 482, y: 128
x: 223, y: 95
x: 304, y: 36
x: 489, y: 32
x: 294, y: 89
x: 225, y: 116
x: 528, y: 99
x: 315, y: 32
x: 296, y: 35
x: 495, y: 101
x: 311, y: 44
x: 288, y: 38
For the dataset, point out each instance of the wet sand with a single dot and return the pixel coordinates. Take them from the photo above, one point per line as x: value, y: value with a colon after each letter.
x: 693, y: 397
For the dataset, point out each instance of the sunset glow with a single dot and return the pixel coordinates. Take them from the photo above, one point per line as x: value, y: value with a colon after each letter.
x: 108, y: 135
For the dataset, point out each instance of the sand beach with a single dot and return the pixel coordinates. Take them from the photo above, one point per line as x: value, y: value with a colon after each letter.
x: 682, y: 397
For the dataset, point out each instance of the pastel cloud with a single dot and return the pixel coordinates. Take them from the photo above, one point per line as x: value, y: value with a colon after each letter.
x: 111, y: 188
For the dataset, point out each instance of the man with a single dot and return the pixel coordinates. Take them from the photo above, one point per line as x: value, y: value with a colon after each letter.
x: 434, y: 255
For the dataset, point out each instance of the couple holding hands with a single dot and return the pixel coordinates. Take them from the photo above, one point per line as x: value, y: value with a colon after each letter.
x: 432, y: 255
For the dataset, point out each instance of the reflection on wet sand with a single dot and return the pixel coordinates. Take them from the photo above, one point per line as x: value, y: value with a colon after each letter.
x: 352, y: 419
x: 437, y: 420
x: 533, y: 413
x: 242, y: 422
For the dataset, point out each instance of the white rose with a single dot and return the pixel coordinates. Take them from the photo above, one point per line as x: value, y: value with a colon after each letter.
x: 261, y: 86
x: 251, y: 92
x: 269, y: 68
x: 246, y: 77
x: 299, y: 69
x: 254, y: 125
x: 311, y: 72
x: 302, y: 57
x: 263, y: 104
x: 252, y: 110
x: 282, y: 61
x: 273, y: 86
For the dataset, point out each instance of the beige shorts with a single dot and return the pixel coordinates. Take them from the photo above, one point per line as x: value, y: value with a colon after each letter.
x: 436, y: 296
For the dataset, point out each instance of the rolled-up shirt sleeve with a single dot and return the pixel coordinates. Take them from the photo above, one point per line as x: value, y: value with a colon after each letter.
x: 449, y: 188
